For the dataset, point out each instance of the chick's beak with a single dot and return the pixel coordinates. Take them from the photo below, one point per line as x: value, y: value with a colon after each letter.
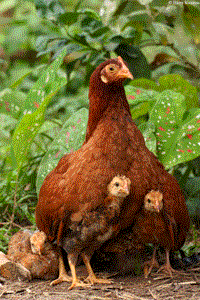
x: 124, y: 71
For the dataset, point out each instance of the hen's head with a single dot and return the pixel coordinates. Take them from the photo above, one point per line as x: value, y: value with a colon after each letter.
x: 38, y: 240
x: 115, y: 70
x: 153, y: 201
x: 119, y: 186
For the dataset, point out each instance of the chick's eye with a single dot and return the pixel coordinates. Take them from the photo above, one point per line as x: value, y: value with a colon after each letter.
x: 111, y: 69
x: 116, y: 183
x: 149, y: 201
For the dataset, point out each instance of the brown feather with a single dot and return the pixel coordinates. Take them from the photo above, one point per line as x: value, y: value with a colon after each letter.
x: 113, y: 145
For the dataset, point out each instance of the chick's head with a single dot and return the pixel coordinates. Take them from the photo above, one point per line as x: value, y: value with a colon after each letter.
x: 153, y: 201
x: 37, y: 241
x: 119, y: 186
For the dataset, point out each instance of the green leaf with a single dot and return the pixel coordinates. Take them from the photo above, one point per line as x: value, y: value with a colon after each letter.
x: 70, y: 139
x: 140, y: 17
x: 137, y: 95
x: 145, y: 84
x: 148, y: 131
x: 69, y: 18
x: 99, y: 31
x: 178, y: 84
x: 140, y: 110
x: 12, y: 102
x: 42, y: 92
x: 90, y: 13
x: 177, y: 132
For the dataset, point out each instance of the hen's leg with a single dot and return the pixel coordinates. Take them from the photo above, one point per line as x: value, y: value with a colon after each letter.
x: 72, y: 259
x: 62, y: 273
x: 92, y: 277
x: 167, y: 266
x: 149, y: 265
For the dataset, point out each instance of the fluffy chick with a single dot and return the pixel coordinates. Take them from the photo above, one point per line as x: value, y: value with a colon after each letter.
x: 88, y: 230
x: 22, y: 251
x: 154, y: 225
x: 38, y: 240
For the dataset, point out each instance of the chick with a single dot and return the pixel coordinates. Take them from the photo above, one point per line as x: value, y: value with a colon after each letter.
x: 38, y: 240
x: 154, y: 225
x: 88, y: 231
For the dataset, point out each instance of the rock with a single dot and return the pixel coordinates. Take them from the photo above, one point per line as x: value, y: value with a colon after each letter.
x: 12, y: 270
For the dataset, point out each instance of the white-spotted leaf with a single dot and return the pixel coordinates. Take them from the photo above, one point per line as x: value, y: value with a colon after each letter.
x: 41, y: 93
x: 70, y: 139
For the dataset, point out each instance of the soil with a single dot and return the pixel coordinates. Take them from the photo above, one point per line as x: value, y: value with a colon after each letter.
x: 157, y: 287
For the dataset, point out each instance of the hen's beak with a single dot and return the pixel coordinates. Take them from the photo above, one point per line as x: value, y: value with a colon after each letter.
x: 124, y: 71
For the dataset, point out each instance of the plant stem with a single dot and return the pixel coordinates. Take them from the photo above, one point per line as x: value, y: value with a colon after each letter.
x: 14, y: 204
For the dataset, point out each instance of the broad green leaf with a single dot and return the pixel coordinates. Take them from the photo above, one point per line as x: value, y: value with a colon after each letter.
x: 69, y: 18
x: 187, y: 141
x: 145, y: 84
x: 191, y: 20
x: 48, y: 82
x: 12, y: 102
x: 137, y: 95
x: 7, y: 123
x: 140, y: 109
x: 148, y: 131
x: 180, y: 85
x: 178, y: 137
x: 43, y: 90
x: 70, y: 139
x: 140, y: 17
x: 169, y: 108
x: 90, y: 13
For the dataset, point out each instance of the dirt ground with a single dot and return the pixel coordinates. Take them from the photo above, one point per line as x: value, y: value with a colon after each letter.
x: 157, y: 287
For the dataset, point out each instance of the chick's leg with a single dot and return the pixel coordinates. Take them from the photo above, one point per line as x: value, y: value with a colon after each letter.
x: 149, y: 265
x: 167, y: 266
x: 92, y: 277
x: 72, y: 259
x: 62, y: 273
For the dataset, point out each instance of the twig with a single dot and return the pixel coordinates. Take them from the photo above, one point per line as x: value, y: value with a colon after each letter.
x: 153, y: 295
x: 14, y: 205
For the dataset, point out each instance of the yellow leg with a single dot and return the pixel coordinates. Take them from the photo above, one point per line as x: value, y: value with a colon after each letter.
x: 72, y: 259
x: 62, y: 273
x: 92, y: 277
x: 167, y: 266
x: 149, y: 265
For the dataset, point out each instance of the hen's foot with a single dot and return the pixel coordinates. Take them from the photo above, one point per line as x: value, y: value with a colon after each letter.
x: 149, y: 265
x: 78, y: 283
x: 61, y: 278
x: 167, y: 269
x: 94, y: 279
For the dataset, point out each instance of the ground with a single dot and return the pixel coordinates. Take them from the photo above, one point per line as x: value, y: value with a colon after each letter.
x: 157, y: 287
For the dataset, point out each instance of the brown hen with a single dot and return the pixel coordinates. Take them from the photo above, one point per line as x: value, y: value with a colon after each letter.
x: 113, y: 145
x: 91, y: 228
x: 153, y: 225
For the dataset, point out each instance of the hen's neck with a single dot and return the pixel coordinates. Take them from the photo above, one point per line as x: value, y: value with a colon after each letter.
x: 102, y: 96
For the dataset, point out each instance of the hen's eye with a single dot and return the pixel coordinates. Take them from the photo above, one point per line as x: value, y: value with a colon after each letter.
x: 111, y: 69
x: 149, y: 201
x: 116, y: 183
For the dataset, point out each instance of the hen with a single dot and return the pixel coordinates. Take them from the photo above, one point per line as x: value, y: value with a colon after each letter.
x: 89, y: 228
x: 113, y: 145
x: 153, y: 225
